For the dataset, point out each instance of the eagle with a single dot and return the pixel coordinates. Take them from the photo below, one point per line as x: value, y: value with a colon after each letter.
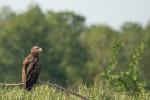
x: 31, y: 68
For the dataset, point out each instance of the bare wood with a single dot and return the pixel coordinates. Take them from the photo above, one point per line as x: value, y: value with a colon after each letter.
x: 66, y: 90
x: 15, y: 84
x: 49, y: 84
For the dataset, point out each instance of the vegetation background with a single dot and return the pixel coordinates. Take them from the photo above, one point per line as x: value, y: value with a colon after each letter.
x: 74, y: 52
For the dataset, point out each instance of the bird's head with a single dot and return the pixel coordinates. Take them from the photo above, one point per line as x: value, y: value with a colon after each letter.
x: 36, y: 50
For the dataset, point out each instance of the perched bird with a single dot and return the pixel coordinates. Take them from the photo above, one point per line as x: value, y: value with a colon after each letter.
x: 31, y: 68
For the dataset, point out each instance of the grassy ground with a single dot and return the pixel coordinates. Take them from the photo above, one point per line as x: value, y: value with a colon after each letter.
x: 98, y: 91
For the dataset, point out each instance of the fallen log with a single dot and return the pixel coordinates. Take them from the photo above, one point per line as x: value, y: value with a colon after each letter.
x: 49, y: 84
x: 66, y: 90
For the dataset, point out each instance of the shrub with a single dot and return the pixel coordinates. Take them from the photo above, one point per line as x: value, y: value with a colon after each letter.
x: 128, y: 80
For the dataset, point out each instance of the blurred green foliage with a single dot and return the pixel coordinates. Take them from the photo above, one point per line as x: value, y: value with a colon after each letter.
x: 127, y: 80
x: 74, y: 52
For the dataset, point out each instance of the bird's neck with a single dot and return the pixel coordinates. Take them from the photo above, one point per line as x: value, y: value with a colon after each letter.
x: 36, y: 55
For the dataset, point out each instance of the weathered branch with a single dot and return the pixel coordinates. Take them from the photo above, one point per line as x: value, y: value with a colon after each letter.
x: 64, y: 89
x: 15, y: 84
x: 49, y: 84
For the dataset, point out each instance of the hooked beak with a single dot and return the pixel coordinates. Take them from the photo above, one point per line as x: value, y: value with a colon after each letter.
x: 40, y: 50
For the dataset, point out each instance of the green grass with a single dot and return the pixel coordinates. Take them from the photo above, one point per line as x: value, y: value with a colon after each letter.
x: 98, y: 91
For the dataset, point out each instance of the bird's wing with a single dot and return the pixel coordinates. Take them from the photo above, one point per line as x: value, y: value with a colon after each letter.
x: 30, y: 68
x: 25, y: 64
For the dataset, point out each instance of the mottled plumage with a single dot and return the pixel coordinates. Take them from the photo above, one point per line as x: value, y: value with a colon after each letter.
x: 31, y: 68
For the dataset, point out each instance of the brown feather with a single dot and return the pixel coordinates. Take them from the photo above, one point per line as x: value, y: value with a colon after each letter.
x: 30, y: 69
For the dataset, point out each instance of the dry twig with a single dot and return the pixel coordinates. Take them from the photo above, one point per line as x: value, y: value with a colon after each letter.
x: 49, y: 84
x: 12, y: 84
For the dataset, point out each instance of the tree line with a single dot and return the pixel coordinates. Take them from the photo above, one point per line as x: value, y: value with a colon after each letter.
x: 73, y: 51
